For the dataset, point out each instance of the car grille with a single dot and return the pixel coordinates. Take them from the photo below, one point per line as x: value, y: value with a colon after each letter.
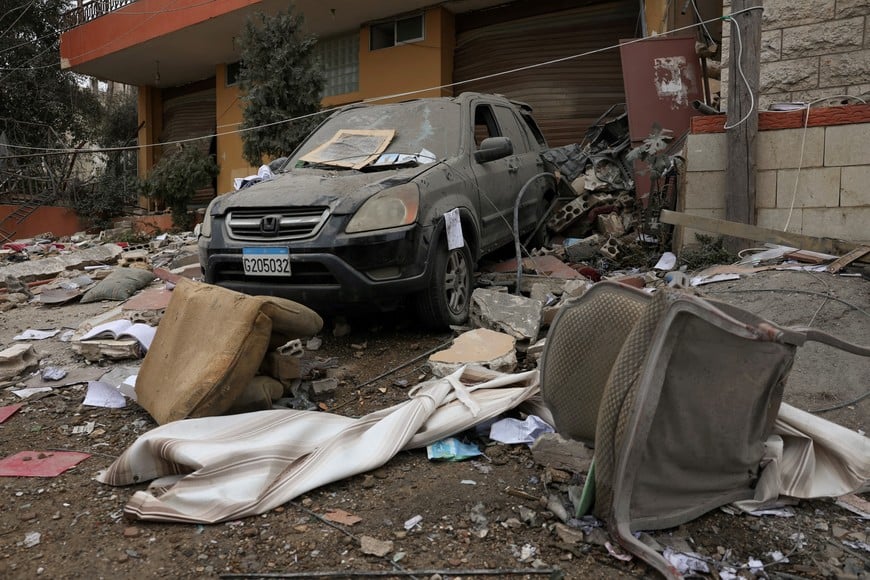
x: 276, y: 223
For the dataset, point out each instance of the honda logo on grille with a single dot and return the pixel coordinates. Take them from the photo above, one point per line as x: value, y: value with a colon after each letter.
x: 269, y: 224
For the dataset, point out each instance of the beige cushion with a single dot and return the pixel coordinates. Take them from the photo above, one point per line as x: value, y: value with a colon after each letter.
x: 210, y: 344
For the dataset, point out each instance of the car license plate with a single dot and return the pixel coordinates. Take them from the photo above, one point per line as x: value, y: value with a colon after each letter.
x: 266, y: 261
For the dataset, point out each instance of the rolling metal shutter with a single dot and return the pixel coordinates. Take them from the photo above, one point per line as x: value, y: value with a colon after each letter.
x: 567, y: 97
x: 188, y: 116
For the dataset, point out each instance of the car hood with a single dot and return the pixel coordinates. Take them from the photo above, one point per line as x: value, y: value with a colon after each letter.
x: 341, y: 191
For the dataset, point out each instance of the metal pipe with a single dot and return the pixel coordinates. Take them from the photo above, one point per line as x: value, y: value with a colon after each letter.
x: 517, y: 221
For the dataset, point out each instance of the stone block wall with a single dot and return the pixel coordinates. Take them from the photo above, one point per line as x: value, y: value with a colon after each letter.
x: 813, y: 181
x: 810, y: 50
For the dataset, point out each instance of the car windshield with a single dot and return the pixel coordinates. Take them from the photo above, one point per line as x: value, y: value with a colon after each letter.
x: 417, y: 132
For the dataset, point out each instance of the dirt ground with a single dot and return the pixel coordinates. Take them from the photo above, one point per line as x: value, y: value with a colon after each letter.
x: 488, y: 514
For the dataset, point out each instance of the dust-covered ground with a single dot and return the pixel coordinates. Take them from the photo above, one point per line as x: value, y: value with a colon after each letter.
x: 488, y: 514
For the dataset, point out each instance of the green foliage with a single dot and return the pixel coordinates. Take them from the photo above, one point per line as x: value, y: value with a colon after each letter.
x: 177, y: 176
x: 280, y: 79
x: 40, y: 104
x: 709, y: 251
x: 116, y: 187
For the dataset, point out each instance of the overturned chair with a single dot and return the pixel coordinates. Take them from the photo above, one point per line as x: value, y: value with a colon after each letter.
x: 677, y: 394
x: 212, y: 353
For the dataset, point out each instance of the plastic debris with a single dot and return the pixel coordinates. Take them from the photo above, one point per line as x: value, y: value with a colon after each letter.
x: 452, y: 449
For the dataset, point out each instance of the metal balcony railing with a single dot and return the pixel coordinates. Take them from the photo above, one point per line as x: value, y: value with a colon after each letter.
x: 90, y: 10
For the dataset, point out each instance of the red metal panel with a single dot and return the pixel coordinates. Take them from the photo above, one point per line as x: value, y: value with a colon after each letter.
x: 662, y: 77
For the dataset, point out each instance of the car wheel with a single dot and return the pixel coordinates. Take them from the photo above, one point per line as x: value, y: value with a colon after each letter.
x: 447, y: 299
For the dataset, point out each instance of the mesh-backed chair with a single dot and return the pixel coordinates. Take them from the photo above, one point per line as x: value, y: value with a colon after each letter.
x: 677, y: 394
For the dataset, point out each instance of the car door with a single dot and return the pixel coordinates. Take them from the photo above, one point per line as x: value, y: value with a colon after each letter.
x: 528, y: 163
x: 500, y: 181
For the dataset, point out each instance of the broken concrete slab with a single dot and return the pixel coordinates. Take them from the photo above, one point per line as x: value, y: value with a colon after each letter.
x: 488, y: 348
x: 47, y: 268
x: 516, y: 316
x: 17, y: 359
x: 553, y: 450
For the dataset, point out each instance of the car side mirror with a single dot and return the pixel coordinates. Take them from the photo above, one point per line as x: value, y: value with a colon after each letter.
x: 493, y: 148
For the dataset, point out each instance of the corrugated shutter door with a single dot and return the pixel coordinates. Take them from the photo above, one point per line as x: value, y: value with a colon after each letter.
x: 187, y: 117
x: 567, y: 97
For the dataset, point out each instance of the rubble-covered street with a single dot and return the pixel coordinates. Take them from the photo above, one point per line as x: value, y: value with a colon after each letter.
x: 501, y: 508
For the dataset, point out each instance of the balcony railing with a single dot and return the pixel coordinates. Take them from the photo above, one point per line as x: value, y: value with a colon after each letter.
x: 91, y: 10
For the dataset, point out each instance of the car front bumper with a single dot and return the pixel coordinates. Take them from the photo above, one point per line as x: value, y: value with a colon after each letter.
x: 332, y: 271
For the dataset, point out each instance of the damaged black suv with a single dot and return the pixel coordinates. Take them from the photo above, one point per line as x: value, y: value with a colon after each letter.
x: 382, y: 203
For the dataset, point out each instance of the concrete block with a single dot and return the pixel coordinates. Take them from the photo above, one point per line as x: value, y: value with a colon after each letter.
x: 782, y: 149
x: 855, y: 186
x: 823, y: 38
x: 688, y: 235
x: 790, y: 75
x: 816, y: 187
x: 848, y: 68
x: 771, y: 45
x: 775, y: 219
x: 845, y: 223
x: 765, y: 189
x: 847, y: 145
x: 517, y: 316
x: 482, y: 346
x: 705, y: 152
x: 705, y: 190
x: 847, y: 8
x: 783, y: 13
x: 50, y: 267
x: 16, y: 359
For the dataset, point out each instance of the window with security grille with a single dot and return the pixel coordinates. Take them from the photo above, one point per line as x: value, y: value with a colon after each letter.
x: 339, y: 61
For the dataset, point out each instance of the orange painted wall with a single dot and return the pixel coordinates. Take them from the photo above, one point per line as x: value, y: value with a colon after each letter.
x: 60, y: 221
x: 388, y: 71
x: 141, y: 21
x: 228, y: 114
x: 409, y: 67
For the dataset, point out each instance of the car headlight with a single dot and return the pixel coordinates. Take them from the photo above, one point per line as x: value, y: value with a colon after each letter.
x: 390, y: 208
x: 205, y: 227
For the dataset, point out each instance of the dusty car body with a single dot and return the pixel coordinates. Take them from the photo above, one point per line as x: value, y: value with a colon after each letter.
x: 356, y: 216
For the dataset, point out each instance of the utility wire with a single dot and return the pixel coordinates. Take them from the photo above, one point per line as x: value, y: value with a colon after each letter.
x: 387, y: 97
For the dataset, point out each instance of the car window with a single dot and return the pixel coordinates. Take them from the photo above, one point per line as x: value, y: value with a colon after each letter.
x: 533, y: 126
x: 485, y: 125
x: 508, y: 122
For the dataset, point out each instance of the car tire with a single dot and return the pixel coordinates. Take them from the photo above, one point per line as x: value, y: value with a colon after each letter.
x: 447, y: 299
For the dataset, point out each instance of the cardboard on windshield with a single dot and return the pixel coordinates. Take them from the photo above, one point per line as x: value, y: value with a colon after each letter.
x: 353, y: 148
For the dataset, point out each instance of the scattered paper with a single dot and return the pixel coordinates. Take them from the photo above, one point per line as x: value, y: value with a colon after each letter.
x: 32, y: 539
x: 8, y: 411
x: 29, y: 392
x: 413, y: 522
x: 33, y: 334
x: 101, y: 394
x: 452, y: 449
x: 512, y: 431
x: 53, y: 373
x: 85, y: 429
x: 667, y: 262
x: 455, y: 239
x: 686, y: 562
x: 701, y: 280
x: 40, y: 463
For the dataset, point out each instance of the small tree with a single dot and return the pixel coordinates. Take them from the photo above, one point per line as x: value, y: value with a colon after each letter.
x: 177, y: 176
x: 117, y: 185
x: 280, y: 79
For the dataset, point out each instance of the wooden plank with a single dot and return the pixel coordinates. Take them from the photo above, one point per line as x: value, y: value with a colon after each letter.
x: 844, y: 261
x: 742, y: 115
x: 758, y: 234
